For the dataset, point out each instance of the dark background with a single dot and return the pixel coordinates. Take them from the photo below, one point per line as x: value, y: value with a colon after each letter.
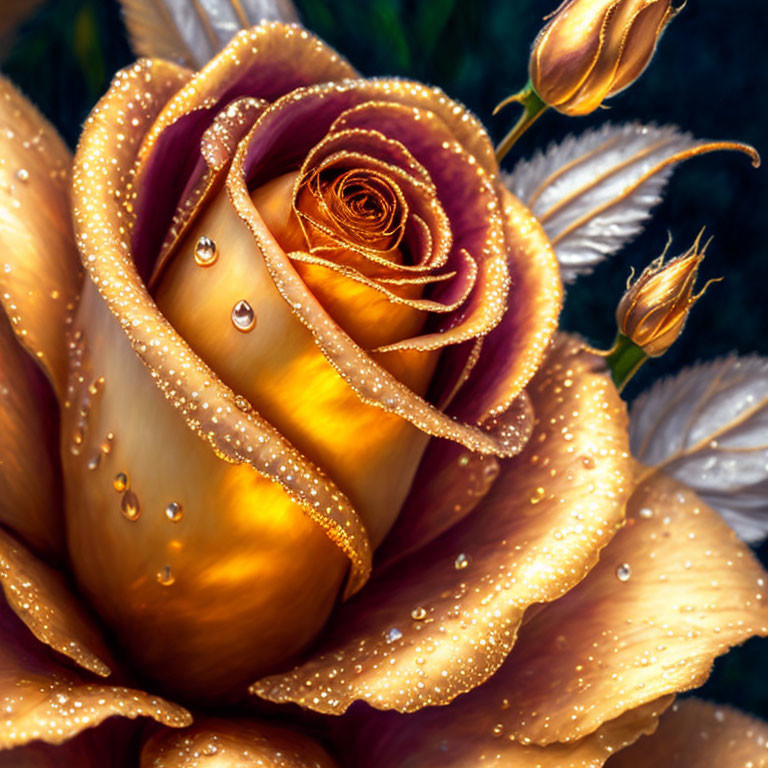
x: 709, y: 76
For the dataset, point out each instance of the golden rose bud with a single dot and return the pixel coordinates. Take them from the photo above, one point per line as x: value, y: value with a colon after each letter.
x: 654, y: 309
x: 592, y: 49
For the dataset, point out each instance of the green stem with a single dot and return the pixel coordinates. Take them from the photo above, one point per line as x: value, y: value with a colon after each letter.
x: 624, y: 359
x: 533, y: 108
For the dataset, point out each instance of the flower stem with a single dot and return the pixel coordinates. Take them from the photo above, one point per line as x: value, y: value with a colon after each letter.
x: 533, y: 108
x: 624, y: 360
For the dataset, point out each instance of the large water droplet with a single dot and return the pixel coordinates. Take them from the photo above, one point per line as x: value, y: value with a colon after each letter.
x: 174, y: 512
x: 623, y: 572
x: 537, y: 495
x: 243, y: 316
x: 393, y: 635
x: 206, y: 252
x: 130, y: 507
x: 120, y: 483
x: 94, y: 461
x: 22, y: 174
x: 165, y: 576
x: 419, y: 613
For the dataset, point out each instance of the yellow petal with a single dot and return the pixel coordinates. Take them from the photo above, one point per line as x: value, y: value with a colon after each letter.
x: 233, y: 743
x: 208, y: 407
x: 39, y: 269
x: 43, y: 699
x: 674, y: 589
x: 40, y: 597
x: 30, y: 486
x: 440, y: 622
x: 280, y: 370
x: 700, y: 735
x: 206, y: 571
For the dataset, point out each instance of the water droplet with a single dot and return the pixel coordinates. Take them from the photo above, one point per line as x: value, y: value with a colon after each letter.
x: 393, y: 635
x: 419, y: 613
x: 623, y: 572
x: 174, y: 512
x: 646, y: 512
x: 461, y: 562
x: 210, y: 749
x: 242, y: 403
x: 206, y: 252
x: 120, y: 483
x: 588, y: 462
x: 165, y: 576
x: 129, y: 506
x: 96, y: 386
x: 498, y: 729
x: 22, y: 174
x: 106, y: 446
x: 537, y: 495
x: 94, y: 461
x: 77, y: 438
x: 464, y: 460
x: 243, y: 316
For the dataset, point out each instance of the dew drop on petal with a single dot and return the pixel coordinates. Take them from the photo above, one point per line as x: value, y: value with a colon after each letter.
x: 22, y: 174
x: 419, y: 613
x: 106, y: 446
x: 646, y: 512
x: 174, y: 512
x: 243, y: 316
x: 537, y: 495
x: 461, y: 562
x: 206, y: 252
x: 393, y: 635
x: 623, y: 572
x: 129, y: 506
x: 165, y: 576
x: 120, y: 483
x: 94, y: 461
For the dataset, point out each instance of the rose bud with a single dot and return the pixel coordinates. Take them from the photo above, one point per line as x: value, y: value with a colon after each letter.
x: 654, y: 309
x: 592, y: 49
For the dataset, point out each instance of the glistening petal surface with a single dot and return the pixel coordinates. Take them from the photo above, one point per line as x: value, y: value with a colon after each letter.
x: 442, y: 621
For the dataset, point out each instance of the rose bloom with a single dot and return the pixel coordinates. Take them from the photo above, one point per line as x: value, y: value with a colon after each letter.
x: 302, y: 433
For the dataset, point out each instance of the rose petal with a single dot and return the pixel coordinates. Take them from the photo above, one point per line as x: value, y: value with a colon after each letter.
x: 278, y: 369
x: 39, y: 270
x: 697, y: 733
x: 450, y: 737
x: 264, y: 62
x: 442, y: 621
x: 110, y: 745
x: 513, y: 351
x: 39, y: 596
x: 233, y: 742
x: 30, y: 485
x: 674, y: 589
x: 240, y: 437
x: 234, y: 579
x: 42, y: 699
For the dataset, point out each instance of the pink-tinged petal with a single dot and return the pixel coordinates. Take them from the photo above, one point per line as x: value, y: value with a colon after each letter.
x: 41, y: 598
x: 450, y: 482
x: 39, y: 270
x: 110, y: 745
x: 30, y: 485
x: 674, y: 589
x: 264, y: 63
x: 44, y: 700
x: 233, y: 743
x: 203, y: 402
x: 454, y: 737
x: 698, y: 734
x: 440, y: 622
x: 513, y: 351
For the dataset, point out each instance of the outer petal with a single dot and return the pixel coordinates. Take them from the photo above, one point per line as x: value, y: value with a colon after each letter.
x: 442, y: 621
x: 42, y: 699
x: 39, y: 269
x: 39, y: 596
x: 30, y: 495
x: 233, y: 743
x: 674, y: 589
x: 110, y: 745
x: 451, y: 737
x: 208, y: 407
x: 513, y: 351
x: 697, y: 733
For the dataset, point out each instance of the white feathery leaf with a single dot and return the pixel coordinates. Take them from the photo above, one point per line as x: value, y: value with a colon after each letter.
x: 191, y: 32
x: 708, y: 427
x: 593, y: 192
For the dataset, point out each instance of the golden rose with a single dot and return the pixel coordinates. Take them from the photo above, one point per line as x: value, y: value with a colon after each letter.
x: 590, y: 50
x: 312, y: 324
